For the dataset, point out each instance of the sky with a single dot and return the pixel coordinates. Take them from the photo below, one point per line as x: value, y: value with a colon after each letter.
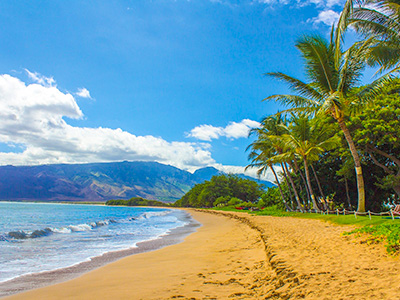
x: 179, y: 82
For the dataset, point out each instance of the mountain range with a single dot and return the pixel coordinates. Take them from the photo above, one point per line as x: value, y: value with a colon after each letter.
x: 99, y: 182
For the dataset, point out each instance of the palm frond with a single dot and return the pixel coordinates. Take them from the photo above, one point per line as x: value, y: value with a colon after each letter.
x: 293, y: 101
x: 303, y: 89
x: 353, y: 65
x: 319, y: 63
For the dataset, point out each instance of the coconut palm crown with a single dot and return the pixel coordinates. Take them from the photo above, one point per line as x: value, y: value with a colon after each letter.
x: 381, y: 20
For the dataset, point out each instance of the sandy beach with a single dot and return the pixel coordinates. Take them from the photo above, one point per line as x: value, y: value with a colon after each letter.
x: 239, y: 256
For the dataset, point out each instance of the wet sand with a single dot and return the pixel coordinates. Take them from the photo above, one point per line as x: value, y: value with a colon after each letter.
x: 239, y: 256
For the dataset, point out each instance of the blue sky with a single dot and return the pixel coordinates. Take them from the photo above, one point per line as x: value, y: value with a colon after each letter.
x: 174, y: 81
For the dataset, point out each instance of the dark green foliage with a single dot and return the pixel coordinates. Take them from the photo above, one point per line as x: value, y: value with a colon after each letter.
x: 271, y: 197
x: 222, y: 201
x: 136, y: 201
x: 377, y: 132
x: 221, y: 188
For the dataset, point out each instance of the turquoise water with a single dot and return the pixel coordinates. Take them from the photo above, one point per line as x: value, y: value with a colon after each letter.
x: 37, y: 237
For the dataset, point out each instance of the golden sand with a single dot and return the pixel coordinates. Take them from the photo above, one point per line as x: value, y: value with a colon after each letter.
x: 239, y: 256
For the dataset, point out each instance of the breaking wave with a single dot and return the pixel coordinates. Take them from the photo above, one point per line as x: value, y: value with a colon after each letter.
x: 23, y: 234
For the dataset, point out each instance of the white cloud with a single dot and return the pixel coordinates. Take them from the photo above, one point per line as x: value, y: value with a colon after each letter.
x: 327, y: 17
x: 233, y: 130
x: 252, y: 172
x: 83, y: 93
x: 32, y: 115
x: 206, y: 132
x: 332, y: 3
x: 302, y: 3
x: 39, y: 78
x: 31, y: 119
x: 271, y: 2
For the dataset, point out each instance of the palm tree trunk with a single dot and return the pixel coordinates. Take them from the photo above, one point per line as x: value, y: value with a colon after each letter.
x: 287, y: 183
x: 303, y: 179
x: 347, y: 192
x: 294, y: 188
x: 326, y: 205
x: 318, y: 183
x: 314, y: 201
x: 279, y: 186
x: 357, y: 163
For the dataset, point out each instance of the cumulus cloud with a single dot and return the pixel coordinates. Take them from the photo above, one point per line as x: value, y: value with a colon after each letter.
x: 233, y: 130
x: 83, y: 93
x: 206, y: 132
x: 32, y: 116
x: 327, y: 17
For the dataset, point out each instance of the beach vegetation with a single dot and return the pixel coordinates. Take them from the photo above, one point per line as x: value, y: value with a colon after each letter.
x: 331, y: 172
x: 387, y: 232
x: 136, y: 201
x: 331, y: 89
x: 360, y: 169
x: 222, y: 190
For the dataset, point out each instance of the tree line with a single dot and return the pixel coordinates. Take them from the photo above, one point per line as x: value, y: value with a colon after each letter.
x: 136, y: 201
x: 222, y: 190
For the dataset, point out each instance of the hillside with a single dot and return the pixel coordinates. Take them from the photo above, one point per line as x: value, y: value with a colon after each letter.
x: 99, y: 181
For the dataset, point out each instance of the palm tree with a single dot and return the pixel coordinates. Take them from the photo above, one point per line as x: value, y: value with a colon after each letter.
x: 265, y: 151
x: 261, y: 157
x: 308, y: 140
x: 330, y: 88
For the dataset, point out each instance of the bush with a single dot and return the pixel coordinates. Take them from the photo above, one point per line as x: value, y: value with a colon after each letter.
x: 221, y: 201
x: 234, y: 201
x: 272, y: 197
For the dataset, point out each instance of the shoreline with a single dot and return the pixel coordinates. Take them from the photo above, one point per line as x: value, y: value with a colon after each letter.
x: 47, y: 278
x: 242, y: 256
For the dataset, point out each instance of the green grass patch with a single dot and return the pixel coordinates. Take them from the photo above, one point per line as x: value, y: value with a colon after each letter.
x: 386, y: 232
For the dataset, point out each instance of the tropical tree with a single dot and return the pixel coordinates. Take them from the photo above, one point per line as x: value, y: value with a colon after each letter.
x: 308, y: 139
x: 266, y: 151
x: 332, y: 75
x: 261, y: 157
x: 376, y: 130
x: 226, y: 186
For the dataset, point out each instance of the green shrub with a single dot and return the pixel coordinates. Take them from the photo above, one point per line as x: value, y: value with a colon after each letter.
x: 388, y: 232
x: 234, y: 201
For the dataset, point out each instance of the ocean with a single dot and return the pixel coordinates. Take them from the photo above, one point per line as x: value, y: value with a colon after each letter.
x: 39, y: 237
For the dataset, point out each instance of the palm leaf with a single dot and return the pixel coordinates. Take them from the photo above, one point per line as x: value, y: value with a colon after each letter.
x: 304, y: 90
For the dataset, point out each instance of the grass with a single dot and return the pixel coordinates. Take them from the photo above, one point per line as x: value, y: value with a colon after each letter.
x: 389, y: 233
x: 380, y: 229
